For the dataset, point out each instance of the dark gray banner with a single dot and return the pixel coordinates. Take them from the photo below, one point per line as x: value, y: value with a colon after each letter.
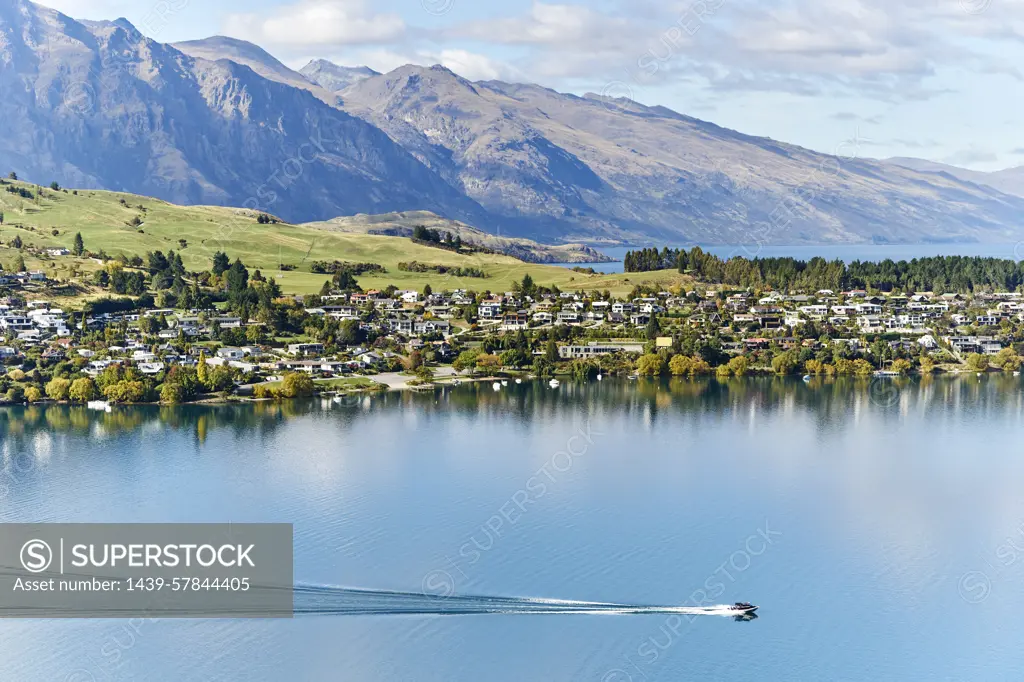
x: 158, y: 570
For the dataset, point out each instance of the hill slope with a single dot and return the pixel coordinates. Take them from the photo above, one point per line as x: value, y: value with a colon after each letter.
x: 196, y: 232
x: 1008, y: 180
x: 403, y: 224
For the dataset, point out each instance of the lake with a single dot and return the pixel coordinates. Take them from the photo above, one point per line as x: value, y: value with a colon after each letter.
x: 843, y: 252
x: 876, y: 524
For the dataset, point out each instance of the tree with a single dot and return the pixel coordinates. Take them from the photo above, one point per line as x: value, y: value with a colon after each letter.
x: 901, y: 365
x: 237, y: 278
x: 19, y: 264
x: 680, y: 365
x: 350, y: 333
x: 126, y: 391
x: 1007, y: 360
x: 551, y: 351
x: 203, y: 369
x: 488, y: 363
x: 739, y: 365
x: 79, y: 247
x: 12, y: 175
x: 172, y: 393
x: 58, y: 389
x: 976, y: 362
x: 297, y: 385
x: 649, y: 365
x: 221, y: 379
x: 33, y: 394
x: 653, y: 328
x: 927, y: 365
x: 527, y: 286
x: 785, y: 363
x: 862, y: 367
x: 220, y: 263
x: 466, y: 360
x: 82, y: 390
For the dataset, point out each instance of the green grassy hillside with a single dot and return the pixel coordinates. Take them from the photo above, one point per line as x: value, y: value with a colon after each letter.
x: 105, y: 219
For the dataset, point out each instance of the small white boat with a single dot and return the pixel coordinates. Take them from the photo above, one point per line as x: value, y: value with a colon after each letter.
x: 743, y: 607
x: 598, y: 377
x: 504, y: 382
x: 633, y: 376
x: 101, y: 405
x: 554, y: 383
x: 456, y: 382
x: 496, y: 386
x: 519, y: 381
x: 807, y: 377
x: 339, y: 399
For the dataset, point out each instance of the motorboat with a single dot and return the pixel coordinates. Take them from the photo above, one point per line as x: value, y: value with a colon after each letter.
x: 598, y: 377
x: 554, y: 383
x: 496, y: 386
x: 743, y: 608
x: 519, y: 381
x: 807, y: 377
x: 504, y: 382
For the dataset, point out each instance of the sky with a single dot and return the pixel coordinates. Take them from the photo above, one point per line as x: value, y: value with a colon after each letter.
x: 933, y: 79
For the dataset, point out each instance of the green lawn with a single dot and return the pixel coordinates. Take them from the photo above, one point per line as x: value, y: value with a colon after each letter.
x: 103, y: 222
x: 339, y: 384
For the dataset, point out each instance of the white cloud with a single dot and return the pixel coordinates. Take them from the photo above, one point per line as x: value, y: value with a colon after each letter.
x: 317, y: 23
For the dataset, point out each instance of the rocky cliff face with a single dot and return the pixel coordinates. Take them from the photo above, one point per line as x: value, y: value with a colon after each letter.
x: 96, y: 104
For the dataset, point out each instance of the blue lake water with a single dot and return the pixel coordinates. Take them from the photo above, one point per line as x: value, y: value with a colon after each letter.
x: 844, y: 252
x: 876, y: 525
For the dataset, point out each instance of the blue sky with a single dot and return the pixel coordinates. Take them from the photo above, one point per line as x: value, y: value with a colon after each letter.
x: 934, y: 79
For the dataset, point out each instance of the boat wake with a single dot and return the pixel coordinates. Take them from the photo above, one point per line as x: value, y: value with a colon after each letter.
x: 311, y: 599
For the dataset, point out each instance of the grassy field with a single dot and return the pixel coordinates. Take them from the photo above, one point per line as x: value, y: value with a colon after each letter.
x: 104, y: 219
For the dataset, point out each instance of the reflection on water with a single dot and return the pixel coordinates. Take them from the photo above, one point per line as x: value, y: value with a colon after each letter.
x: 646, y: 400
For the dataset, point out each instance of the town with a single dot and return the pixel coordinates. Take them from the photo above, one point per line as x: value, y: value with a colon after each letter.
x: 180, y: 336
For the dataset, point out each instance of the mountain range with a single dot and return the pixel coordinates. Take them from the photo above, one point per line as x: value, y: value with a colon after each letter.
x: 221, y: 121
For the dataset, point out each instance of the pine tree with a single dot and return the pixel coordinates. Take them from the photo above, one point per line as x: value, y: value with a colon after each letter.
x: 653, y: 328
x: 79, y: 248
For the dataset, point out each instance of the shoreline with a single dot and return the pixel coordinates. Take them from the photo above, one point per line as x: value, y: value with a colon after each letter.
x: 447, y: 381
